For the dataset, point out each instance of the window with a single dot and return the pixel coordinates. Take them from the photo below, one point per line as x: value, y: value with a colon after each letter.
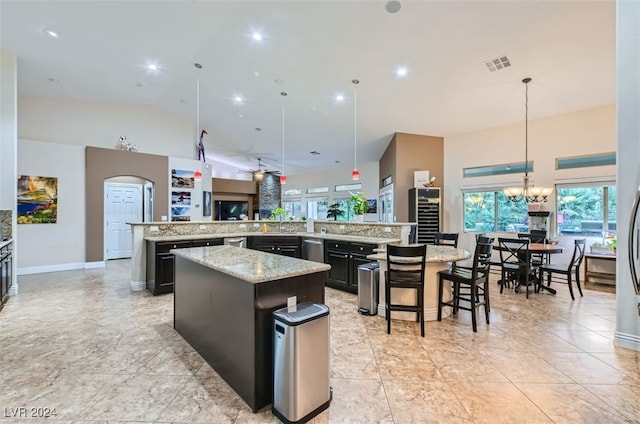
x: 490, y: 211
x: 345, y: 205
x: 315, y: 190
x: 586, y: 161
x: 587, y: 210
x: 348, y: 187
x: 317, y: 207
x: 484, y: 171
x: 293, y: 208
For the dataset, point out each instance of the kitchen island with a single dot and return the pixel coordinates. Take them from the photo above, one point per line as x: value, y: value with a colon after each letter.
x: 223, y: 300
x: 438, y: 259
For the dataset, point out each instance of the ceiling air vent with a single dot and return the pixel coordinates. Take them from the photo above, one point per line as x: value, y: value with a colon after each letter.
x: 498, y: 63
x: 314, y: 153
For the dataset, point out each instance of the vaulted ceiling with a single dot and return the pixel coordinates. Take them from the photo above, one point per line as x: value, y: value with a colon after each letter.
x: 312, y: 50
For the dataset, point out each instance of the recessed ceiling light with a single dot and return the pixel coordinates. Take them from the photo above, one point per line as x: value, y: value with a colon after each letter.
x: 183, y: 101
x: 238, y: 99
x: 53, y: 80
x: 393, y: 6
x: 139, y: 84
x: 339, y: 97
x: 313, y: 152
x: 402, y: 72
x: 51, y: 33
x: 256, y: 74
x: 337, y: 161
x: 258, y: 129
x: 240, y: 115
x: 152, y: 67
x: 256, y: 36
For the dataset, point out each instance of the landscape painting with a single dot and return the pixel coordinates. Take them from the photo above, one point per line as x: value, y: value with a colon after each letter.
x: 37, y: 200
x: 180, y: 213
x: 182, y: 179
x: 181, y: 198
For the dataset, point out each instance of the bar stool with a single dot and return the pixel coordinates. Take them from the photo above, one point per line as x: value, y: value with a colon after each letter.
x: 405, y: 270
x: 446, y: 239
x: 469, y: 285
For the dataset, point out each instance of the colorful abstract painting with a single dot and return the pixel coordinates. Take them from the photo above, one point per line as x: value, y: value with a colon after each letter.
x: 37, y: 200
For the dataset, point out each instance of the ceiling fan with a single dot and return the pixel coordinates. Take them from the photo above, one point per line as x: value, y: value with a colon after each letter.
x: 261, y: 171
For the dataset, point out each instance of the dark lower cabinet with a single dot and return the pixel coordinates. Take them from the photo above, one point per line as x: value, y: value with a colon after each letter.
x: 280, y: 245
x: 6, y: 264
x: 345, y: 258
x: 161, y: 264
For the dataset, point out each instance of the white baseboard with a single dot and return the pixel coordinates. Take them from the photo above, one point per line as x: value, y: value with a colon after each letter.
x: 92, y: 265
x: 628, y: 341
x: 138, y: 285
x: 49, y: 268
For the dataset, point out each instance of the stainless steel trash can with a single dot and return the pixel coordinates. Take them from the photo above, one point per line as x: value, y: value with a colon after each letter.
x: 368, y: 281
x: 301, y: 362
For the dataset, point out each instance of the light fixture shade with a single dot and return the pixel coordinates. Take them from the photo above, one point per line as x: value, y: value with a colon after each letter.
x: 197, y: 175
x: 283, y: 179
x: 355, y: 175
x: 513, y: 193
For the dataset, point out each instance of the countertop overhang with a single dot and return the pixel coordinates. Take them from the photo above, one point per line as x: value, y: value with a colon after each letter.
x: 322, y: 236
x: 435, y: 254
x: 250, y: 265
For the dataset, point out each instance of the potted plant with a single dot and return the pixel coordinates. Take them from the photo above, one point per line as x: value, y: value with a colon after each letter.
x: 277, y: 214
x: 609, y: 246
x: 334, y: 211
x: 359, y: 205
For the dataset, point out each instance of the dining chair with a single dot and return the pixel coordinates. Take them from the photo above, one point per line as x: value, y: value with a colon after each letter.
x: 405, y: 270
x: 446, y: 239
x: 567, y: 269
x: 515, y: 259
x: 537, y: 258
x: 469, y: 285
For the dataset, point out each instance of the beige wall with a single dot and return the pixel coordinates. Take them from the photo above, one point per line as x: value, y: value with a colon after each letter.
x: 574, y: 134
x: 100, y: 124
x: 408, y: 153
x: 102, y: 164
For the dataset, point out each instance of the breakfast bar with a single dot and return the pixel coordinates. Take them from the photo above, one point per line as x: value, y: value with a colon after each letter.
x: 223, y: 300
x: 439, y: 258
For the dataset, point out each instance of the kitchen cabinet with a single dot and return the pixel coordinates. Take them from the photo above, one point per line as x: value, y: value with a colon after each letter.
x: 6, y: 264
x: 161, y: 263
x: 279, y: 245
x: 344, y: 258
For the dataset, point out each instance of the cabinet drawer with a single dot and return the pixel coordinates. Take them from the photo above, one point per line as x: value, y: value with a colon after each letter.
x: 165, y: 247
x: 337, y: 245
x: 362, y: 249
x: 208, y: 242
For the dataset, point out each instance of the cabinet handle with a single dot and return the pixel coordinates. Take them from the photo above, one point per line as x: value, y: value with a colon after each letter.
x: 361, y: 249
x: 346, y: 256
x: 174, y: 246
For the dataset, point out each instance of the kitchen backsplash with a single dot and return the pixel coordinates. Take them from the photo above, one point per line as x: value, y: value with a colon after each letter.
x: 5, y: 223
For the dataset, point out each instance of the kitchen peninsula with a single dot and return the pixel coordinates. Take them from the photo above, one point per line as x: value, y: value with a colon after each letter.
x: 191, y: 234
x: 439, y: 258
x: 223, y: 300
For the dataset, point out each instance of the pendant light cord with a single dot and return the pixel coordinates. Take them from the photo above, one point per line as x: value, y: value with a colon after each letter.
x: 526, y: 126
x: 355, y: 123
x: 283, y: 94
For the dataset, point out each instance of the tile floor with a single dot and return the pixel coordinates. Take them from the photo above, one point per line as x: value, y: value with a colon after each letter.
x: 81, y: 342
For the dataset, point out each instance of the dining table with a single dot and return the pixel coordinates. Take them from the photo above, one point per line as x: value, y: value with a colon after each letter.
x: 545, y: 249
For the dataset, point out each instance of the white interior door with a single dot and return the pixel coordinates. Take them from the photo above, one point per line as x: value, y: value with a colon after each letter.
x: 123, y: 203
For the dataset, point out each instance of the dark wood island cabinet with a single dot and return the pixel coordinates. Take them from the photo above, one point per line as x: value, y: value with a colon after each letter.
x: 223, y: 301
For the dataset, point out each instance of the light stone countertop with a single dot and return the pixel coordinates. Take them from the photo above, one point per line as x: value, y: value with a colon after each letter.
x: 435, y: 254
x: 326, y: 236
x: 5, y: 243
x: 250, y: 265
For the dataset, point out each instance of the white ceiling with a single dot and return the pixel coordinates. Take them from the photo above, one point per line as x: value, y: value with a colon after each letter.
x: 315, y: 48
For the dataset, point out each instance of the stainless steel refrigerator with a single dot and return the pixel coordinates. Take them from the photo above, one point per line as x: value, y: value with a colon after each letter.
x: 634, y: 244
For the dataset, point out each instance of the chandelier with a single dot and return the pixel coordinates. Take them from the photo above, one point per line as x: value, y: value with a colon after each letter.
x: 527, y: 192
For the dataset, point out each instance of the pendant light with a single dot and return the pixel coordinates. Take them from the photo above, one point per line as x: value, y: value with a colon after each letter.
x: 283, y: 177
x: 355, y: 174
x: 527, y: 192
